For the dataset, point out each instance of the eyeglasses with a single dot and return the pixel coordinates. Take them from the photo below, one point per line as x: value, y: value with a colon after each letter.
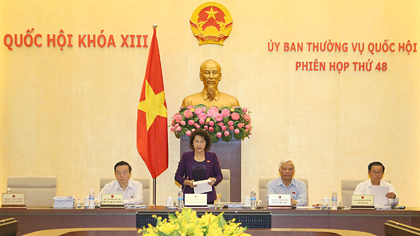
x: 122, y: 173
x: 377, y: 172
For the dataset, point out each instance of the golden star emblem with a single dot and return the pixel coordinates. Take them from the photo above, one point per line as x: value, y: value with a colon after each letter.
x: 212, y: 14
x: 153, y: 105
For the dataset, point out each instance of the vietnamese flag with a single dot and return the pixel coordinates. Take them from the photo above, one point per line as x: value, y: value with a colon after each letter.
x: 152, y: 133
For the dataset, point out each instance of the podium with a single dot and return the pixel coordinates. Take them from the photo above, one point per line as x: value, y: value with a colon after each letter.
x: 229, y: 154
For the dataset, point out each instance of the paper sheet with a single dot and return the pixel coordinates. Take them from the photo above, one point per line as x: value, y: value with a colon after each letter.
x: 379, y: 193
x: 202, y: 186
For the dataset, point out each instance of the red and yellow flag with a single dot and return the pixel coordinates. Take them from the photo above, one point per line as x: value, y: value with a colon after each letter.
x: 152, y: 133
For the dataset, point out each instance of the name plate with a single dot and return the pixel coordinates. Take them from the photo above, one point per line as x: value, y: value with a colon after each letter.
x: 112, y: 199
x: 13, y: 199
x: 195, y: 200
x: 362, y: 201
x: 279, y: 200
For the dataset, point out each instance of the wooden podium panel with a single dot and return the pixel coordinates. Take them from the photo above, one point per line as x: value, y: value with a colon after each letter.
x: 229, y: 154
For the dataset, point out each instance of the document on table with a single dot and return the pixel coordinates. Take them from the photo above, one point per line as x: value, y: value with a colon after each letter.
x: 379, y: 193
x: 202, y: 186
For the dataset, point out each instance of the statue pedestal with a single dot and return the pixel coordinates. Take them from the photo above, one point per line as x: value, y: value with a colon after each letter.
x: 229, y: 155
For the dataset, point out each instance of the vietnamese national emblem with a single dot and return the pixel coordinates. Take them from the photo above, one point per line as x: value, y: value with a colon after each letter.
x: 211, y: 23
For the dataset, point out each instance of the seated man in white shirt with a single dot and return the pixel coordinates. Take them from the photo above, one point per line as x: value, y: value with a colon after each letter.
x: 286, y: 184
x: 132, y: 190
x: 376, y: 172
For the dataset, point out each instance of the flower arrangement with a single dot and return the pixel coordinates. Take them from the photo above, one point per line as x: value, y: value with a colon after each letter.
x: 187, y: 223
x: 224, y: 123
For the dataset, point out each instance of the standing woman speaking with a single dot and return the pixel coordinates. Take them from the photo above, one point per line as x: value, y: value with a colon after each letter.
x: 199, y: 164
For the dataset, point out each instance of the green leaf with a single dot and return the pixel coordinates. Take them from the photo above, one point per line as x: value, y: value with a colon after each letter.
x: 240, y: 135
x: 214, y: 138
x: 228, y: 138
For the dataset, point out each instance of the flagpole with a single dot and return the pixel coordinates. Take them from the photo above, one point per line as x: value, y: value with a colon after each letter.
x: 154, y: 192
x: 152, y: 137
x: 154, y: 180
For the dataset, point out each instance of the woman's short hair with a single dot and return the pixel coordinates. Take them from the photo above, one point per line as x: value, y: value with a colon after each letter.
x: 203, y: 134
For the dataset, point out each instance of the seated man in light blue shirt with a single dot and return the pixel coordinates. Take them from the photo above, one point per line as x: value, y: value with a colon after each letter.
x: 286, y: 184
x: 131, y: 189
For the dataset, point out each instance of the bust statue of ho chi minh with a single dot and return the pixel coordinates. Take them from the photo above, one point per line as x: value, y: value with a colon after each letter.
x: 210, y: 74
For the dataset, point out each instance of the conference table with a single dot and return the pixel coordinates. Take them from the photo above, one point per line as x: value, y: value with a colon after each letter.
x: 371, y: 221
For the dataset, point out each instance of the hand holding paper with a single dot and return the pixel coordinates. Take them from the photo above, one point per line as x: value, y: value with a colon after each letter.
x: 202, y: 186
x: 391, y: 195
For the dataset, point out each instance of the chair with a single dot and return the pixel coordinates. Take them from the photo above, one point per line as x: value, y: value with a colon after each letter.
x: 39, y: 190
x: 347, y: 189
x: 263, y: 192
x: 8, y: 227
x: 224, y: 186
x: 144, y: 181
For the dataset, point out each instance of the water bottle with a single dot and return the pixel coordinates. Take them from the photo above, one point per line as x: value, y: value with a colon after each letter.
x: 180, y: 199
x: 91, y: 199
x: 253, y: 196
x: 9, y: 190
x: 79, y: 204
x: 334, y: 200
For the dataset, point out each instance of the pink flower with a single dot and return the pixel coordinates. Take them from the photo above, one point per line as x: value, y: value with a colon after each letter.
x: 235, y: 116
x: 224, y: 128
x: 231, y: 127
x: 221, y: 124
x: 192, y: 130
x: 198, y: 111
x: 189, y: 107
x: 225, y: 112
x: 176, y: 125
x: 247, y: 127
x: 219, y: 117
x: 197, y: 126
x: 183, y: 123
x: 236, y: 131
x: 201, y: 122
x: 188, y: 114
x: 211, y: 113
x: 202, y: 116
x: 173, y: 129
x: 178, y: 129
x: 230, y: 123
x: 226, y: 133
x: 204, y: 109
x: 211, y: 123
x: 215, y: 109
x: 247, y: 117
x: 191, y: 122
x: 241, y: 125
x: 177, y: 117
x: 188, y: 133
x: 211, y: 129
x: 206, y: 127
x: 219, y: 134
x: 245, y: 109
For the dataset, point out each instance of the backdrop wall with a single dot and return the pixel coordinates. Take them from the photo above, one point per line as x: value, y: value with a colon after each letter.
x: 72, y: 113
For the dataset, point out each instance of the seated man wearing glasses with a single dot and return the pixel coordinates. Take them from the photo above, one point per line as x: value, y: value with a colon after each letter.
x: 376, y: 171
x: 132, y: 190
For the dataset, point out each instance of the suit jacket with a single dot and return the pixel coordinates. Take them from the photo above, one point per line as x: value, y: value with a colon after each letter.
x: 212, y: 170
